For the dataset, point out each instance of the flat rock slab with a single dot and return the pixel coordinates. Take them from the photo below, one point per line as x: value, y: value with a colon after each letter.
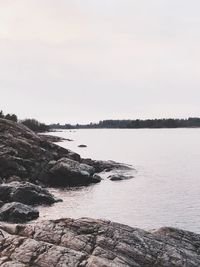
x: 96, y: 243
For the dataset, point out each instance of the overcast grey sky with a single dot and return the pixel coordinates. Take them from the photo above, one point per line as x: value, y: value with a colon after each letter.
x: 86, y: 60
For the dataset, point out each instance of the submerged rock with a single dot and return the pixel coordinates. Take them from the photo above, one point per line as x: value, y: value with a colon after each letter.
x: 108, y: 165
x: 96, y: 243
x: 25, y: 193
x: 82, y: 146
x: 119, y: 177
x: 17, y: 213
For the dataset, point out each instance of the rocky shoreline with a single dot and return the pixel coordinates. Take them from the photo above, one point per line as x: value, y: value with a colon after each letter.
x: 95, y: 243
x: 29, y: 164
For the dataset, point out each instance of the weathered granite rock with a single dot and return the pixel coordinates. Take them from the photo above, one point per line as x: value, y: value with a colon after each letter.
x: 68, y: 172
x: 26, y: 154
x: 96, y: 243
x: 17, y: 213
x: 97, y: 177
x: 108, y: 165
x: 25, y: 193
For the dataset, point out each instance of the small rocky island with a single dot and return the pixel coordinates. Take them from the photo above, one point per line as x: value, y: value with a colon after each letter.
x: 29, y: 164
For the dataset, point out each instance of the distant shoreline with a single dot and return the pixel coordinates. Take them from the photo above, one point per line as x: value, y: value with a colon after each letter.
x: 133, y: 124
x: 150, y: 128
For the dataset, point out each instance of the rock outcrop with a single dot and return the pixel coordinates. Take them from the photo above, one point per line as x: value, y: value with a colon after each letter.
x: 27, y: 156
x: 17, y: 213
x: 29, y: 160
x: 26, y: 193
x: 65, y: 172
x: 106, y: 166
x: 96, y: 243
x: 24, y: 153
x: 52, y: 138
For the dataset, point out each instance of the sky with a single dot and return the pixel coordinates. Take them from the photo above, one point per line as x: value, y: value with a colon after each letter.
x: 88, y: 60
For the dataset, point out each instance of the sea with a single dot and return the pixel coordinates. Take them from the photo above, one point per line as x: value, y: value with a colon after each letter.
x: 165, y: 189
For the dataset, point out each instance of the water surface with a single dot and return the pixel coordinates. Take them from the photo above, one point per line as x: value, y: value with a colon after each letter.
x: 166, y: 187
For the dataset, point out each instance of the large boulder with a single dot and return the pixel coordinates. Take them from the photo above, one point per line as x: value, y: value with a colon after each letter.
x: 17, y: 213
x: 25, y: 193
x: 96, y: 243
x: 66, y: 172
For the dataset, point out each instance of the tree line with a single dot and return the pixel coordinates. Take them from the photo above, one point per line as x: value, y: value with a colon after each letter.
x: 37, y: 126
x: 11, y: 117
x: 134, y: 124
x: 32, y: 124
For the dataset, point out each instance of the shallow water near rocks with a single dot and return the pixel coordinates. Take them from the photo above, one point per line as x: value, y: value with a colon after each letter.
x: 164, y: 192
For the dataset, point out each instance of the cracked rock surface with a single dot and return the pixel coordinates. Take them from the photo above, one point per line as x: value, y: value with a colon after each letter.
x: 95, y: 243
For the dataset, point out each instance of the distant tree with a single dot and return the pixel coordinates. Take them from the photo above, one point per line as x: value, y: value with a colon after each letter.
x: 35, y: 125
x: 135, y: 124
x: 1, y: 114
x: 11, y: 117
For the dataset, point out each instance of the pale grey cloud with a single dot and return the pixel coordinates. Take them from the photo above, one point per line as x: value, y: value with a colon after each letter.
x: 95, y: 59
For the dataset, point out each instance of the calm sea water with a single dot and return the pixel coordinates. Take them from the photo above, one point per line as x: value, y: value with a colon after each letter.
x: 166, y: 187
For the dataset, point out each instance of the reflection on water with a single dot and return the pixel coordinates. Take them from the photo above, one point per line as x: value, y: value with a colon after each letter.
x: 164, y: 192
